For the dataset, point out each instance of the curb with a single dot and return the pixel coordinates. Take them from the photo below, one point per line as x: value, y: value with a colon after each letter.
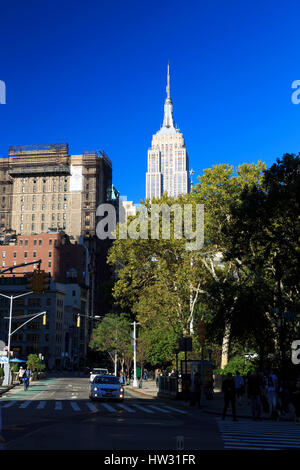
x: 2, y: 392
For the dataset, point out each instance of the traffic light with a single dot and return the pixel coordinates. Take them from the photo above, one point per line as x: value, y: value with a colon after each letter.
x: 45, y: 280
x: 38, y: 281
x: 44, y: 319
x: 201, y: 332
x: 78, y: 321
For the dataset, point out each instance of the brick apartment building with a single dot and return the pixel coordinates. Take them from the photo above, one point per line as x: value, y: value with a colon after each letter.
x: 59, y: 257
x: 48, y: 209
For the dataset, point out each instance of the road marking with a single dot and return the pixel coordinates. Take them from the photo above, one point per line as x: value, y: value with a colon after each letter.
x: 41, y: 405
x: 75, y: 406
x: 130, y: 410
x: 259, y: 435
x: 175, y: 409
x: 143, y: 409
x: 58, y: 406
x: 91, y: 407
x: 158, y: 409
x: 25, y: 404
x: 11, y: 403
x: 109, y: 408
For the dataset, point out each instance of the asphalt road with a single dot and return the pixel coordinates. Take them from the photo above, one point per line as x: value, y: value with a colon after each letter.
x: 56, y: 414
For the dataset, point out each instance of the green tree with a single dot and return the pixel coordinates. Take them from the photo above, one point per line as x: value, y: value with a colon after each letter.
x: 112, y: 335
x: 264, y: 236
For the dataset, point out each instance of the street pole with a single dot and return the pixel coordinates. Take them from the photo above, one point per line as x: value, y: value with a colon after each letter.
x: 135, y: 384
x: 7, y: 377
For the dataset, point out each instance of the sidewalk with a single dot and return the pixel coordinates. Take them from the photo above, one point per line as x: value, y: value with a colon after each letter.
x: 214, y: 406
x: 5, y: 389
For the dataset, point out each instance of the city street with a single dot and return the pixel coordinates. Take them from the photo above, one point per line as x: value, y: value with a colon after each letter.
x: 57, y: 414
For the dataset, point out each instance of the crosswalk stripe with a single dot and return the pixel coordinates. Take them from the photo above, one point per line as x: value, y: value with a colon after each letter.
x: 25, y: 404
x: 91, y: 407
x: 109, y: 408
x: 175, y: 409
x: 259, y: 435
x: 130, y: 410
x: 58, y: 405
x: 142, y: 408
x: 75, y: 406
x: 8, y: 405
x: 158, y: 409
x: 41, y: 405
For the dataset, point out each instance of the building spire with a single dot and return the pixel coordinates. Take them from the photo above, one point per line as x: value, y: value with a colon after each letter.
x: 168, y: 108
x: 168, y: 82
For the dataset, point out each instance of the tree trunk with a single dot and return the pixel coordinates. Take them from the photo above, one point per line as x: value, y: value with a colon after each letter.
x: 225, y: 345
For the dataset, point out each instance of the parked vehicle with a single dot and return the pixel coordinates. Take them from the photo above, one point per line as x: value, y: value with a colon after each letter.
x: 106, y: 387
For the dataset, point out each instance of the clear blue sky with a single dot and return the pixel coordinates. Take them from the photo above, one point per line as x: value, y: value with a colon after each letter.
x: 93, y: 74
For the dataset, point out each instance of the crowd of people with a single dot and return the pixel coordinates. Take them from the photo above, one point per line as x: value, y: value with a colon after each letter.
x: 265, y: 391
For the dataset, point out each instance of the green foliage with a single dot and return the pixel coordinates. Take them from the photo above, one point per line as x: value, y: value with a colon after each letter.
x: 33, y: 362
x: 1, y: 372
x: 112, y: 335
x: 237, y: 364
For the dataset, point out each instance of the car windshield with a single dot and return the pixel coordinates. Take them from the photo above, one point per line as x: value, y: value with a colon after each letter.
x: 106, y: 380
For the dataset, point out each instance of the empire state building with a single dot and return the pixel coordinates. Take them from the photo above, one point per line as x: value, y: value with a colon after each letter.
x: 168, y: 163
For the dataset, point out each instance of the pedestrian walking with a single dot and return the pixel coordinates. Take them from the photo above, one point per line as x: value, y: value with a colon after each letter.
x: 21, y: 374
x: 254, y: 391
x: 196, y: 389
x: 296, y: 400
x: 271, y: 395
x: 228, y: 388
x: 239, y: 386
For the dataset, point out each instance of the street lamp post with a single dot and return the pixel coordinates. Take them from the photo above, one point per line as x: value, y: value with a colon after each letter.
x: 7, y: 377
x: 135, y: 384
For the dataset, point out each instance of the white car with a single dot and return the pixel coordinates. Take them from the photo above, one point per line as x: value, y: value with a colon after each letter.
x: 97, y: 372
x: 106, y: 387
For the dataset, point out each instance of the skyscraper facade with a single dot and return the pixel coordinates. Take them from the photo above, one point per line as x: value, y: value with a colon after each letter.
x: 168, y: 163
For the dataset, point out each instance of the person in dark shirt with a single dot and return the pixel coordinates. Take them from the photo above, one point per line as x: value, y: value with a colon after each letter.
x: 254, y: 390
x: 228, y: 388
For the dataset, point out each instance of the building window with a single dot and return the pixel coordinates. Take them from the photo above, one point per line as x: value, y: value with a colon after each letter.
x: 34, y: 254
x: 49, y: 264
x: 50, y: 241
x: 40, y: 242
x: 34, y: 242
x: 50, y: 254
x: 15, y: 254
x: 25, y: 254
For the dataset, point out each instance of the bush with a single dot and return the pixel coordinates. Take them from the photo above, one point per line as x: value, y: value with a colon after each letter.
x: 237, y: 363
x: 14, y: 367
x: 33, y: 362
x: 1, y: 372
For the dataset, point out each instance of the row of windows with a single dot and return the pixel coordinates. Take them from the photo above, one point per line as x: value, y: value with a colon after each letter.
x: 54, y: 189
x: 59, y: 197
x: 34, y: 228
x: 25, y: 254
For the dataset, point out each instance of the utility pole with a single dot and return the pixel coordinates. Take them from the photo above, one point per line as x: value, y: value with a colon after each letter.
x: 135, y: 384
x: 7, y: 377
